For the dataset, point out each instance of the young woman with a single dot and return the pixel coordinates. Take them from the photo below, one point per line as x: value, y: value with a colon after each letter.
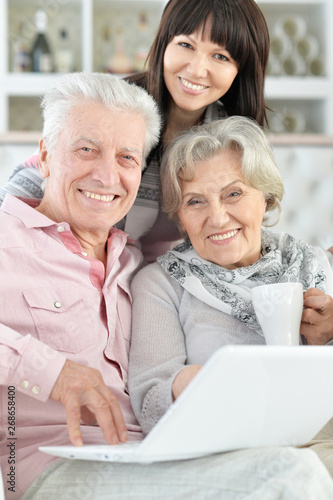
x: 207, y: 61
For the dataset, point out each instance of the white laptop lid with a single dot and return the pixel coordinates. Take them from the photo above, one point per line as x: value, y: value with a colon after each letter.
x: 244, y: 397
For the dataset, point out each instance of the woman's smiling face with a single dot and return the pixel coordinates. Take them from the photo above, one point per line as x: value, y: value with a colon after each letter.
x: 221, y: 215
x: 197, y: 72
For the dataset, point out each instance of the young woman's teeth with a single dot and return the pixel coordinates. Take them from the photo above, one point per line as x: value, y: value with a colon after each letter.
x: 192, y: 86
x: 100, y: 197
x: 220, y: 237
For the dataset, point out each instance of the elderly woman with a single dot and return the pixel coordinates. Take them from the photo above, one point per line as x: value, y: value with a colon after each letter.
x: 220, y: 184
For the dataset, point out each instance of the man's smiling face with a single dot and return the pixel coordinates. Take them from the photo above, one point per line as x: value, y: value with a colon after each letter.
x: 94, y: 172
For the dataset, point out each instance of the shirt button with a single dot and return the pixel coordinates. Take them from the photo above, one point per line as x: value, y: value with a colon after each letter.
x: 36, y: 389
x: 60, y: 229
x: 84, y: 254
x: 57, y: 304
x: 24, y: 384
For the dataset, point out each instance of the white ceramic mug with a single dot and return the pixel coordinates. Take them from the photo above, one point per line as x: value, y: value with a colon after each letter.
x: 278, y: 308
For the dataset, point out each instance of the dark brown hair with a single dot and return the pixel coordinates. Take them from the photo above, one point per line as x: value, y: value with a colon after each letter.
x: 240, y: 27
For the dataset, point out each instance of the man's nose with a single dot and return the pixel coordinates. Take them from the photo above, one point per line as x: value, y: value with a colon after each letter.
x: 107, y: 172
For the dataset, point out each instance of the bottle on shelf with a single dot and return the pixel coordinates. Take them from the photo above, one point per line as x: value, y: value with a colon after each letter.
x: 21, y: 57
x: 142, y: 43
x: 107, y: 51
x: 120, y: 62
x: 41, y: 56
x: 64, y: 57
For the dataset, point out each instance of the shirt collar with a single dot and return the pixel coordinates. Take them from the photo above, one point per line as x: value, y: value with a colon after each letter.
x: 24, y: 209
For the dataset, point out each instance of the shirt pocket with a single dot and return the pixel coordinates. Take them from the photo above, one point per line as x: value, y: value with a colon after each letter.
x: 61, y: 317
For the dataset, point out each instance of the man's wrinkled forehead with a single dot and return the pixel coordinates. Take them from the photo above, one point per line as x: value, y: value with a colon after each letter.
x: 103, y: 128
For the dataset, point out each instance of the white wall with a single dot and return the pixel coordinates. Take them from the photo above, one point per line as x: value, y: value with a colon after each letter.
x: 307, y: 207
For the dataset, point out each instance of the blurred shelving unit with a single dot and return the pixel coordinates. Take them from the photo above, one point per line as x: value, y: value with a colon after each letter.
x: 302, y: 101
x: 86, y: 22
x: 299, y: 84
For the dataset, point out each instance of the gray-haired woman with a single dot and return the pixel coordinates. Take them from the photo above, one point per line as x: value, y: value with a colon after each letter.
x: 220, y: 184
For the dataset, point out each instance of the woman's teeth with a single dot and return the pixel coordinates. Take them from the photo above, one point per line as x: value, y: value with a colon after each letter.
x: 225, y: 236
x: 192, y: 86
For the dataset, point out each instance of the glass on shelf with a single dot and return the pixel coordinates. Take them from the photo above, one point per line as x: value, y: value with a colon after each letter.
x: 120, y: 62
x: 143, y: 43
x: 107, y: 49
x: 63, y: 57
x: 21, y: 60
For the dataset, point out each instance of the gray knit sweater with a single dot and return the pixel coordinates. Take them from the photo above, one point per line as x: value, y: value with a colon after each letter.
x: 171, y: 328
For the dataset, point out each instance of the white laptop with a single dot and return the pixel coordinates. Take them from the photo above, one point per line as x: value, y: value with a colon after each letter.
x: 244, y: 397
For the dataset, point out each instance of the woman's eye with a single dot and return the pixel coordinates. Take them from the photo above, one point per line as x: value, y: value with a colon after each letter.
x: 185, y: 45
x: 221, y: 57
x: 89, y: 150
x: 193, y: 202
x: 234, y: 194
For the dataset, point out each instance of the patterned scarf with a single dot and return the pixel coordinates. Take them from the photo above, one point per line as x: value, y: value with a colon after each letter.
x: 283, y: 259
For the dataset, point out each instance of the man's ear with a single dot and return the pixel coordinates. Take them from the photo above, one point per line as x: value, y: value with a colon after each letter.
x: 43, y: 159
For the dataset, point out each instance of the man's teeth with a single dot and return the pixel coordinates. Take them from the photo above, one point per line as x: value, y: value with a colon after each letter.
x: 225, y: 236
x: 100, y: 197
x: 192, y: 86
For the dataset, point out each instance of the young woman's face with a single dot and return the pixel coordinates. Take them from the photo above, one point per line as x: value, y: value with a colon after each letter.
x: 221, y: 215
x: 197, y: 71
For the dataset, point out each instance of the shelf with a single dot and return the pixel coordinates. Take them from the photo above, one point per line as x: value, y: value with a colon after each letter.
x: 278, y: 87
x: 301, y: 139
x: 28, y: 84
x: 276, y: 139
x: 20, y: 138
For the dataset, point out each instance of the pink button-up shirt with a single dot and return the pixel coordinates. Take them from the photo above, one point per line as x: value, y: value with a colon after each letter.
x: 55, y: 303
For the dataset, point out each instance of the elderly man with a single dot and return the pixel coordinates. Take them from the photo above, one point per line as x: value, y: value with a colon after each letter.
x: 65, y: 300
x: 66, y: 308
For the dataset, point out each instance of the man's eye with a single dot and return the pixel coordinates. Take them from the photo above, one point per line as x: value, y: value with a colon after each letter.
x: 86, y: 149
x: 129, y: 161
